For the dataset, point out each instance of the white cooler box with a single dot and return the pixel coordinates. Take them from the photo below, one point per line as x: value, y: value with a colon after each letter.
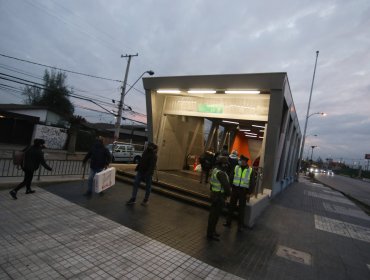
x: 104, y: 179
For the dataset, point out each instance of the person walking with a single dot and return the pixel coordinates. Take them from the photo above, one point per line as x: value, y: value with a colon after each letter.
x: 100, y: 159
x: 33, y: 157
x: 233, y: 161
x: 206, y: 161
x: 144, y: 172
x: 220, y: 190
x: 242, y: 185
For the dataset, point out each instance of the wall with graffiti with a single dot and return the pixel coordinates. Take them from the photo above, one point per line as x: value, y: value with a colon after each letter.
x: 55, y: 137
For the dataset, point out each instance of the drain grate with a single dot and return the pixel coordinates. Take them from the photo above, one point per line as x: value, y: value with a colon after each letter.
x: 294, y: 255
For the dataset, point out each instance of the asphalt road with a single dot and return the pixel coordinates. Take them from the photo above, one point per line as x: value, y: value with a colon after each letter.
x: 358, y: 189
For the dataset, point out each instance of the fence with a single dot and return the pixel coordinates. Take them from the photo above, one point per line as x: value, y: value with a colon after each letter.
x: 60, y: 168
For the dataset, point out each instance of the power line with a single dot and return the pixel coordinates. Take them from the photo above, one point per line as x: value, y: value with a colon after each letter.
x: 60, y: 69
x: 73, y: 95
x: 20, y: 71
x: 56, y: 15
x: 10, y: 78
x: 70, y: 71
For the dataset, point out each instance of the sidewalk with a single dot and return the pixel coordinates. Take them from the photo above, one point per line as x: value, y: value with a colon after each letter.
x: 307, y: 232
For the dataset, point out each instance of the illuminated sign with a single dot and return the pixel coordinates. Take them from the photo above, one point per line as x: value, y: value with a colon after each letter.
x: 211, y: 108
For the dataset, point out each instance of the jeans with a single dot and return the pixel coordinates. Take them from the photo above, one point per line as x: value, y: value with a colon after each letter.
x: 28, y: 176
x: 90, y: 181
x: 148, y: 182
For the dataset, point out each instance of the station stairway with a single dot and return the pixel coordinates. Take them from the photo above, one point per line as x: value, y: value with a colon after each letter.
x: 167, y: 186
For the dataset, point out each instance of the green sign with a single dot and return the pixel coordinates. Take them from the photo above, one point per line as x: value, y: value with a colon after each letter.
x: 211, y: 108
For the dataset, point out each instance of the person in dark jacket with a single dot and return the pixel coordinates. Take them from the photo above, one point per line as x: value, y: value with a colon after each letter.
x: 100, y: 159
x: 144, y: 172
x: 220, y: 190
x: 243, y: 182
x: 33, y: 157
x: 206, y: 161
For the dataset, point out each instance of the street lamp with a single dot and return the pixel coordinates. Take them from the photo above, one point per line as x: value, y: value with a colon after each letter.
x: 123, y: 94
x: 318, y: 113
x: 312, y: 147
x: 307, y: 115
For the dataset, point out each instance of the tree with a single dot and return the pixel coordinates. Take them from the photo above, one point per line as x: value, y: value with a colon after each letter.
x: 76, y: 122
x: 54, y: 94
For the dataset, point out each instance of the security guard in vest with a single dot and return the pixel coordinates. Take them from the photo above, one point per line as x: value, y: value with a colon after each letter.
x: 220, y: 189
x: 242, y: 184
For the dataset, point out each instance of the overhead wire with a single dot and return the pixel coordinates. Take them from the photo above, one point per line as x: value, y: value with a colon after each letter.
x: 69, y: 71
x: 78, y: 27
x: 73, y: 95
x: 61, y: 69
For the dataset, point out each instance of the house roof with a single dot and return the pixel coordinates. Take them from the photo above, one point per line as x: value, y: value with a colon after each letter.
x: 12, y: 106
x: 4, y: 113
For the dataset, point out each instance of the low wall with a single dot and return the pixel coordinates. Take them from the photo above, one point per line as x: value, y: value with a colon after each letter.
x: 255, y: 207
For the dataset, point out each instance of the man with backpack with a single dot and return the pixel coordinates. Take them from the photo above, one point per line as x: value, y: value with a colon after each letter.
x: 33, y: 157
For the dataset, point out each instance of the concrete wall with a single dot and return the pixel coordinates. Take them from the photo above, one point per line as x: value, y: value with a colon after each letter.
x: 178, y: 137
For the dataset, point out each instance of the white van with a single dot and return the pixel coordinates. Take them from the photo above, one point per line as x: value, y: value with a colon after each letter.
x: 124, y: 153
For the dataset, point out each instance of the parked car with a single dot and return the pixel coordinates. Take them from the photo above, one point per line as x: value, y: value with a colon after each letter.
x: 124, y: 153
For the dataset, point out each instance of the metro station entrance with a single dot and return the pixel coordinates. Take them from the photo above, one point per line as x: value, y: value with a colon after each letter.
x: 251, y: 113
x: 233, y: 121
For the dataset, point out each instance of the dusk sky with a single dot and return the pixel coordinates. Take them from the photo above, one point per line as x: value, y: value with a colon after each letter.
x: 196, y: 37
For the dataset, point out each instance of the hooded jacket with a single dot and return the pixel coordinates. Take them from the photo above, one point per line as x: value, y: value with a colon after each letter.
x: 33, y: 157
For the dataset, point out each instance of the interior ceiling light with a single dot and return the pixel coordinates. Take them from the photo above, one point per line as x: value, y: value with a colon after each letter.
x: 253, y: 136
x: 262, y: 130
x: 260, y: 126
x: 168, y: 91
x: 230, y: 122
x: 242, y: 91
x: 197, y: 91
x: 244, y: 130
x: 250, y: 133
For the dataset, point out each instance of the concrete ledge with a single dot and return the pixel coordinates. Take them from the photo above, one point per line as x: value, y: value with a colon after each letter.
x: 255, y: 207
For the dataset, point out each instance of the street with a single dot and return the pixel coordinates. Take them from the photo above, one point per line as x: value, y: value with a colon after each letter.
x: 355, y: 188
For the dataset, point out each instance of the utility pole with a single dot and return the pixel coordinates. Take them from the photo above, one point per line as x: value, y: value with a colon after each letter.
x: 123, y: 92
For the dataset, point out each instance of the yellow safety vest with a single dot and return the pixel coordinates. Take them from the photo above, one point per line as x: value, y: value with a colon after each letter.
x: 242, y: 179
x: 215, y: 183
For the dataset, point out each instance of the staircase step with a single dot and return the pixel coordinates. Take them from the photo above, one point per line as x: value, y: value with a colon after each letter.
x: 168, y: 192
x: 169, y: 187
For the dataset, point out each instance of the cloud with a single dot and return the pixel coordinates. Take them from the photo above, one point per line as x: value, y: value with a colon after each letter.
x: 208, y: 37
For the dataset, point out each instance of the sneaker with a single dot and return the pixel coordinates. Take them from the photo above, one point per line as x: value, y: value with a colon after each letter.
x: 145, y: 202
x: 30, y: 191
x: 13, y: 194
x: 131, y: 202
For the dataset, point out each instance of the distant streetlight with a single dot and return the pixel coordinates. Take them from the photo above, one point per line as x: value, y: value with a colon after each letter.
x: 315, y: 135
x: 312, y: 147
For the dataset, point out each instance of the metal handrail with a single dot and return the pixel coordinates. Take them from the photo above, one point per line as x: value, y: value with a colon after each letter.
x: 60, y: 168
